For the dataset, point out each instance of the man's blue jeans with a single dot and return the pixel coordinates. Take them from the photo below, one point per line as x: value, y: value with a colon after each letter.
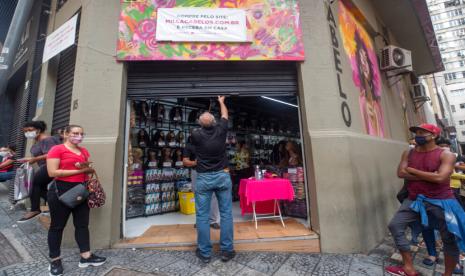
x: 220, y: 184
x: 4, y: 176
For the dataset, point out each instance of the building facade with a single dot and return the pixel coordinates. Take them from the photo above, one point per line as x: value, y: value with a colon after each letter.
x: 448, y: 19
x: 19, y: 102
x: 351, y: 121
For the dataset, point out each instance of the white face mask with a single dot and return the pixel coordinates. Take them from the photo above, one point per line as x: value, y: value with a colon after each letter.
x: 30, y: 134
x: 4, y: 153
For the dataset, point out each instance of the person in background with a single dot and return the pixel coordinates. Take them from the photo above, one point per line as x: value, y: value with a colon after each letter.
x: 7, y: 155
x: 69, y: 165
x: 242, y: 167
x: 455, y: 178
x: 455, y: 184
x: 189, y: 161
x: 60, y: 134
x: 242, y: 156
x: 283, y: 155
x: 293, y: 152
x: 213, y: 177
x: 428, y: 168
x: 35, y: 131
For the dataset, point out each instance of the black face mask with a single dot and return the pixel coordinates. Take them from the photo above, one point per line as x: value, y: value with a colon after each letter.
x: 421, y: 140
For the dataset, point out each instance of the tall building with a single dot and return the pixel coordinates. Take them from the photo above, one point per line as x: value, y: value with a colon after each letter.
x: 448, y: 17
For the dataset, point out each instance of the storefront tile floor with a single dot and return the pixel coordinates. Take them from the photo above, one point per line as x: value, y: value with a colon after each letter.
x: 243, y: 231
x: 136, y: 227
x: 24, y: 252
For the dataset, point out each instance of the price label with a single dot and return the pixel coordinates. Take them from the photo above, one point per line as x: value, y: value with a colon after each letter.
x: 292, y: 171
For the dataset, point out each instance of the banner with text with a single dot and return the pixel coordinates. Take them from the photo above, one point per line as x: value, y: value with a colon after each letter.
x: 60, y: 39
x: 201, y: 25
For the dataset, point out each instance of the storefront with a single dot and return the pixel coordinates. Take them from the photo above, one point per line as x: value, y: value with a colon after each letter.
x: 232, y: 56
x: 304, y: 71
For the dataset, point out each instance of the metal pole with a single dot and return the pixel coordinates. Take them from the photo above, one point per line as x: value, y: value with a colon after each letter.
x: 17, y: 26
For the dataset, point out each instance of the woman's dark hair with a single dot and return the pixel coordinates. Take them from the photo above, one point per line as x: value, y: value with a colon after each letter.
x: 41, y: 126
x: 12, y: 147
x: 70, y: 127
x: 443, y: 140
x: 362, y: 47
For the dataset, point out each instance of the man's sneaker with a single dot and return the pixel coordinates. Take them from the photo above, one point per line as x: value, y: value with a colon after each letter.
x: 93, y: 260
x: 204, y: 259
x: 215, y: 226
x: 227, y: 256
x: 55, y: 268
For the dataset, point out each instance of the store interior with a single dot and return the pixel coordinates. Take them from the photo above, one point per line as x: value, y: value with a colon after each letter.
x: 263, y: 131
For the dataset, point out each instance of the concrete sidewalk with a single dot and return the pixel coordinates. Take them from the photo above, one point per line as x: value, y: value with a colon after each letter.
x: 24, y: 251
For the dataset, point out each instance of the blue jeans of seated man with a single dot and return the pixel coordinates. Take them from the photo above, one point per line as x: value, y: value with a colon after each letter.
x: 207, y: 184
x: 4, y: 176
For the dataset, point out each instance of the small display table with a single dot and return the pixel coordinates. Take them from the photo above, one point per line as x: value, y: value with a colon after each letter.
x: 268, y: 191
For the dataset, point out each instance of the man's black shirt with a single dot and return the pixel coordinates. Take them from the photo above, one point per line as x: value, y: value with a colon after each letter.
x: 189, y: 152
x: 210, y: 147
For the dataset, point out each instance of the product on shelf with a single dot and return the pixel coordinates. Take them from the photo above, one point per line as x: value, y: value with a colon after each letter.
x: 297, y: 207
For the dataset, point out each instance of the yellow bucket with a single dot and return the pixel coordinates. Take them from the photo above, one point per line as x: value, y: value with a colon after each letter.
x: 187, y: 202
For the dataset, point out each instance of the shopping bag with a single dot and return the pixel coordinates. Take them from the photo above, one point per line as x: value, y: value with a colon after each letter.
x: 96, y: 193
x: 23, y: 181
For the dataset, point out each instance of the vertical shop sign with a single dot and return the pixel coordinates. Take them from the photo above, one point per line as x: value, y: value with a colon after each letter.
x: 345, y: 110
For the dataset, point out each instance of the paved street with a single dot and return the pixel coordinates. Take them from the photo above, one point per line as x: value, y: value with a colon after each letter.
x: 24, y: 252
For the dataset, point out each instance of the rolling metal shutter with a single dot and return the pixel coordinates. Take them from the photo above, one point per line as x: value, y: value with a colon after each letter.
x: 206, y: 79
x: 64, y: 89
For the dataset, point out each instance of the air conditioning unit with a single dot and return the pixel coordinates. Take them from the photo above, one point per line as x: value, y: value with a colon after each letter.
x: 419, y: 91
x: 395, y: 58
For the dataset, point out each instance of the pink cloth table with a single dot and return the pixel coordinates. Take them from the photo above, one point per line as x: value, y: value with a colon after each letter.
x: 266, y: 191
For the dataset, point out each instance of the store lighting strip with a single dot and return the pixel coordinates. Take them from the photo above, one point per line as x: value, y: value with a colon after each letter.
x: 278, y: 101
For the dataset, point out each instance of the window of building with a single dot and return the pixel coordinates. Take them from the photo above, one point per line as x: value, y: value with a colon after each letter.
x: 452, y: 107
x: 455, y: 12
x: 451, y: 3
x: 455, y: 64
x: 454, y: 76
x: 458, y: 92
x: 462, y: 105
x: 463, y: 132
x: 461, y: 122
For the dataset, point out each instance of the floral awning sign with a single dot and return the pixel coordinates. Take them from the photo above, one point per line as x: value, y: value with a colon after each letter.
x: 272, y: 26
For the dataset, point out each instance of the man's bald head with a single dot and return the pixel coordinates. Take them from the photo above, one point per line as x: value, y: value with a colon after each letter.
x: 207, y: 119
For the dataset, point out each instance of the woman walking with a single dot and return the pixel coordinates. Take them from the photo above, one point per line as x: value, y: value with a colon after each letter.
x: 69, y: 165
x: 35, y: 130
